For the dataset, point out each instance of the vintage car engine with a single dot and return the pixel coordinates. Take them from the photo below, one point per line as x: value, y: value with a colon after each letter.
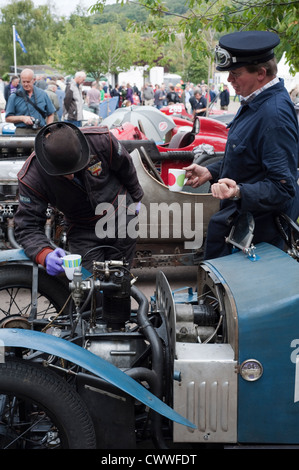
x: 112, y: 333
x: 111, y: 328
x: 8, y: 200
x: 148, y: 344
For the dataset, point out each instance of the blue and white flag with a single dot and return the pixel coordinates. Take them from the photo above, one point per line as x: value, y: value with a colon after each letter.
x: 17, y: 37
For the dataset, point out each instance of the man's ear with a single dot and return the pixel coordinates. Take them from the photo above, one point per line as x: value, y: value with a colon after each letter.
x: 261, y: 74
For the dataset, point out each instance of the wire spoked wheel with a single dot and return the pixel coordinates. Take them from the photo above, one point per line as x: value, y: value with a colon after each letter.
x: 39, y: 410
x: 16, y: 298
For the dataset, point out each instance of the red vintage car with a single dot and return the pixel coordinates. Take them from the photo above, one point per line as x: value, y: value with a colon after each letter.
x: 178, y: 109
x: 182, y: 141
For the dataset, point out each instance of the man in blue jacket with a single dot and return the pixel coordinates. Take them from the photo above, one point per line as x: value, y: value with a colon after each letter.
x: 30, y: 108
x: 259, y: 170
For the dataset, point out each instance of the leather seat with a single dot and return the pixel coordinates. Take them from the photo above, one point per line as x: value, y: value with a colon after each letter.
x: 180, y: 140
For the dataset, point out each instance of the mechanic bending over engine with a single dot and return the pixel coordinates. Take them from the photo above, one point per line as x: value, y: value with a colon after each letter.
x: 259, y: 170
x: 74, y: 171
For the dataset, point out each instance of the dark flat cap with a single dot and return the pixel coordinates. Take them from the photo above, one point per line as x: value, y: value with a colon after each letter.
x: 244, y: 48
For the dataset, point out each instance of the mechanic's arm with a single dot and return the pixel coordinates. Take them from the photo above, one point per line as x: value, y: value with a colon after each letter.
x: 122, y: 163
x: 30, y: 220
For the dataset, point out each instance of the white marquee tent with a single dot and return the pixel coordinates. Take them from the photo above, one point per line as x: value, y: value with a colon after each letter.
x: 290, y: 81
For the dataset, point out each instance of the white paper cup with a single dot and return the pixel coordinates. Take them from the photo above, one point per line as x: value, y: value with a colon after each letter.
x: 70, y: 263
x: 176, y: 179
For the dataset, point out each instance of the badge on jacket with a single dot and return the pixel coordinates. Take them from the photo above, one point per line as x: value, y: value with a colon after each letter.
x: 95, y: 169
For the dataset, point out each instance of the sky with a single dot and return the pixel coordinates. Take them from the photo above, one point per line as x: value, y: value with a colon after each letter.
x: 62, y: 7
x: 66, y: 7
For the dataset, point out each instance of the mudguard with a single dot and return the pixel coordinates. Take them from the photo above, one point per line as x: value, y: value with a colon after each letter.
x: 17, y: 254
x: 59, y: 347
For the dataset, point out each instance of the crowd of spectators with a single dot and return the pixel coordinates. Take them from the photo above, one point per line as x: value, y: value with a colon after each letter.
x: 195, y: 98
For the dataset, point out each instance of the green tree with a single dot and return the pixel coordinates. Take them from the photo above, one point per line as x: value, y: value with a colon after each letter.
x: 96, y: 49
x: 221, y: 16
x: 37, y: 28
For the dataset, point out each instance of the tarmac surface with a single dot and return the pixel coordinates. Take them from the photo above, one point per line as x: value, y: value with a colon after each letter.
x: 232, y: 107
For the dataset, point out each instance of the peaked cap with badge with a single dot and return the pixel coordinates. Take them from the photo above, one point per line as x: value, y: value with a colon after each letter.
x: 244, y: 48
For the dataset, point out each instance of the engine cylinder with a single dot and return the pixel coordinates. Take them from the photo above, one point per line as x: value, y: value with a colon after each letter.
x: 117, y: 304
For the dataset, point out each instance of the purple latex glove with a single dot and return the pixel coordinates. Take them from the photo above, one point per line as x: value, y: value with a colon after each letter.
x: 54, y: 262
x: 137, y: 209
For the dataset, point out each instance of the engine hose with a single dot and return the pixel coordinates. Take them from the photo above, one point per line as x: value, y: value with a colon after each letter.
x: 157, y: 357
x: 11, y: 236
x: 141, y: 373
x: 150, y: 334
x: 48, y: 229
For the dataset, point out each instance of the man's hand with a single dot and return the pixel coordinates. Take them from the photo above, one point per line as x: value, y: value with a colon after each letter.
x: 225, y: 189
x: 28, y: 120
x: 22, y: 118
x: 54, y: 262
x: 197, y: 175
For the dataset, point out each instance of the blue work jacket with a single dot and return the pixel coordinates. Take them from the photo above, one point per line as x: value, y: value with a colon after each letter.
x: 261, y: 155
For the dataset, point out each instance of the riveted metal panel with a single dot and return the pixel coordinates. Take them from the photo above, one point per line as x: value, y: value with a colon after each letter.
x: 206, y: 393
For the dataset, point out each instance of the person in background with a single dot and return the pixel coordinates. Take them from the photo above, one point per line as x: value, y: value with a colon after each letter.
x: 224, y: 98
x: 136, y: 99
x: 102, y: 92
x: 148, y: 96
x: 73, y: 100
x: 294, y: 94
x: 186, y: 97
x: 60, y: 95
x: 136, y: 90
x: 198, y: 103
x: 12, y: 87
x: 51, y: 92
x: 258, y: 173
x: 123, y: 93
x: 41, y: 82
x: 159, y: 97
x: 129, y: 94
x: 29, y: 108
x: 2, y: 85
x: 172, y: 96
x: 115, y: 92
x: 93, y: 97
x: 212, y: 94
